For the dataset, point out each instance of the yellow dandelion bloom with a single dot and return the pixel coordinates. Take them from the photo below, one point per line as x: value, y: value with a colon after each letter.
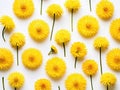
x: 6, y: 59
x: 113, y: 59
x: 75, y: 81
x: 108, y: 79
x: 101, y: 42
x: 88, y: 26
x: 53, y: 49
x: 38, y: 30
x: 54, y: 10
x: 16, y: 80
x: 62, y: 37
x: 17, y: 39
x: 55, y: 67
x: 115, y: 29
x: 43, y: 84
x: 23, y: 8
x: 32, y: 58
x: 90, y: 67
x: 72, y: 5
x: 105, y: 9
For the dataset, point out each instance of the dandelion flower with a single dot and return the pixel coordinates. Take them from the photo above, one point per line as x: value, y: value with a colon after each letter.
x: 17, y: 40
x: 53, y: 49
x: 6, y: 61
x: 105, y: 9
x: 23, y: 8
x: 32, y: 58
x: 88, y: 26
x: 62, y: 37
x: 78, y: 50
x: 108, y: 79
x: 90, y: 68
x: 43, y: 84
x: 113, y: 59
x: 101, y: 43
x: 55, y: 67
x: 38, y: 30
x: 72, y: 6
x: 54, y: 11
x: 16, y: 80
x: 7, y: 23
x: 115, y: 29
x: 75, y: 81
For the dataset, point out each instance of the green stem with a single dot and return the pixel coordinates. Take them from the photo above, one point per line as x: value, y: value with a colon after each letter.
x: 90, y: 5
x: 3, y: 84
x: 41, y: 5
x: 91, y: 82
x: 64, y: 50
x: 15, y: 88
x: 50, y: 52
x: 52, y: 27
x: 107, y: 87
x: 58, y: 87
x: 72, y: 20
x: 3, y: 32
x: 75, y: 62
x: 17, y: 56
x: 101, y: 62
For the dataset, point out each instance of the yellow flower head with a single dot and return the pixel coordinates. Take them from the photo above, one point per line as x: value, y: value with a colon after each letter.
x: 113, y: 59
x: 7, y: 22
x: 62, y: 36
x: 90, y: 67
x: 78, y: 49
x: 23, y: 8
x: 105, y: 9
x: 108, y: 79
x: 75, y: 81
x: 16, y: 80
x: 53, y: 49
x: 6, y: 59
x: 101, y: 42
x: 88, y: 26
x: 72, y: 5
x: 17, y: 39
x: 55, y: 10
x: 32, y: 58
x: 115, y: 29
x: 38, y: 30
x: 43, y: 84
x: 55, y: 67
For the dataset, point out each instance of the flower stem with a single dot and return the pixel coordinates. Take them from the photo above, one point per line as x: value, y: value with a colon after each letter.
x: 75, y: 62
x: 72, y: 20
x: 41, y: 4
x: 107, y: 87
x: 101, y: 62
x: 58, y: 87
x: 64, y: 50
x: 15, y: 88
x: 17, y: 56
x: 3, y: 83
x: 3, y: 32
x: 91, y: 82
x: 90, y: 5
x: 52, y: 27
x: 50, y: 52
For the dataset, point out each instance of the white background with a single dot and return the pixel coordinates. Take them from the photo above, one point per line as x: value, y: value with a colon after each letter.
x: 44, y: 47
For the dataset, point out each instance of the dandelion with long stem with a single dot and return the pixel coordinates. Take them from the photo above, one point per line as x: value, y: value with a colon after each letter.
x: 8, y: 25
x: 73, y: 6
x: 53, y: 50
x: 90, y: 68
x: 62, y: 37
x: 78, y: 50
x: 54, y: 11
x: 101, y: 43
x: 17, y: 40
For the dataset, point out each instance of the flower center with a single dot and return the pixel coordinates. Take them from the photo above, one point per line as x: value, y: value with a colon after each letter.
x: 90, y: 67
x: 117, y: 60
x: 78, y: 50
x: 88, y: 26
x: 43, y: 86
x: 38, y: 30
x: 23, y: 7
x: 16, y: 80
x: 31, y: 58
x: 105, y: 9
x: 2, y: 60
x: 55, y: 68
x: 76, y: 85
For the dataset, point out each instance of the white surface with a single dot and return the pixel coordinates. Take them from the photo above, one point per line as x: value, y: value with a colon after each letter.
x: 63, y: 22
